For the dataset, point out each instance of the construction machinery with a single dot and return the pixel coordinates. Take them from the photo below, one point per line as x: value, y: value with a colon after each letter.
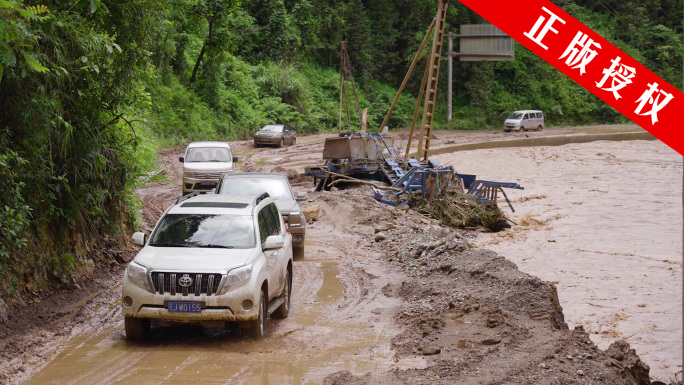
x: 355, y: 157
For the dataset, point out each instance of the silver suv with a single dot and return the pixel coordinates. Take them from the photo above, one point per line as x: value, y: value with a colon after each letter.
x: 213, y: 260
x: 278, y: 187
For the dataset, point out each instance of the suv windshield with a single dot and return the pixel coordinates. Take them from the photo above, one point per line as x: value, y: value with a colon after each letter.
x: 208, y: 154
x: 277, y: 188
x: 205, y: 230
x: 272, y: 128
x: 515, y: 115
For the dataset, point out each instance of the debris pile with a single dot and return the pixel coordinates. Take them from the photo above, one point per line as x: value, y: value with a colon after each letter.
x: 457, y: 209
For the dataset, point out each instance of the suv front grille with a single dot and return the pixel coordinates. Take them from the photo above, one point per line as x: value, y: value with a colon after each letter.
x: 195, y: 283
x: 207, y: 175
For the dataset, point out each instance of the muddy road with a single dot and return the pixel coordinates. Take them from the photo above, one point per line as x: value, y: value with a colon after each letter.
x: 422, y: 305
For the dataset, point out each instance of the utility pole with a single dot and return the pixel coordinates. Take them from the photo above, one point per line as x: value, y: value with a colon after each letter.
x: 450, y: 69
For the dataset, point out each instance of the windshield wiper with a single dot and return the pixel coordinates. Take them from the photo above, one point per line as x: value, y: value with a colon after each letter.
x: 168, y: 245
x: 217, y: 247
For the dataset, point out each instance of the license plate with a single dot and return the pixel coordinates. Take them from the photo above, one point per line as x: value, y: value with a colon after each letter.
x: 209, y: 184
x: 184, y: 307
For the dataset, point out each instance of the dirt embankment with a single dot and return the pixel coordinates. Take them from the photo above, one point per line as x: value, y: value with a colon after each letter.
x: 478, y: 320
x: 412, y: 303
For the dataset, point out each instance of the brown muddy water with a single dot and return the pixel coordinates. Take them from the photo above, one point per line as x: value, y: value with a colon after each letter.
x: 602, y: 220
x: 311, y: 343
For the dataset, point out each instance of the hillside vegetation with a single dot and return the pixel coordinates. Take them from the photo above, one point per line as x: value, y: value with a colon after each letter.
x: 89, y: 89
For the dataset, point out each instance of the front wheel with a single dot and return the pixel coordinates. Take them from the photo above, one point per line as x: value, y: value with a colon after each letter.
x: 522, y: 128
x: 540, y: 128
x: 284, y: 309
x: 294, y: 141
x: 257, y: 328
x: 137, y: 329
x: 282, y: 142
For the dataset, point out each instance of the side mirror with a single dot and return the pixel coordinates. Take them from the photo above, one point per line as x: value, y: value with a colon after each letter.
x: 301, y: 195
x: 181, y: 159
x: 274, y: 242
x: 138, y: 238
x: 235, y: 159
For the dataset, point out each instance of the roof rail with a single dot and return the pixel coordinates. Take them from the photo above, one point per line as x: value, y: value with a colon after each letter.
x: 260, y: 198
x: 188, y: 196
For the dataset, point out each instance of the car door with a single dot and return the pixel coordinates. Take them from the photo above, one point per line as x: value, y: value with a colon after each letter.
x: 287, y: 134
x: 270, y: 255
x: 284, y: 256
x: 274, y: 258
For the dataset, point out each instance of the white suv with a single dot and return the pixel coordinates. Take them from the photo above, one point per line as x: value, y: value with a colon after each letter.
x: 213, y: 260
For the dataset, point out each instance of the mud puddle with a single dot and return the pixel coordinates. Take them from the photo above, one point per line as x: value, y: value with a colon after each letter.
x: 318, y: 338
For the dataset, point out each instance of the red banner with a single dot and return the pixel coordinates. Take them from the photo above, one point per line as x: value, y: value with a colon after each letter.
x: 593, y: 62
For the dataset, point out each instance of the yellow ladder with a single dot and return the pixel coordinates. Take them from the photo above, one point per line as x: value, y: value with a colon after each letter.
x: 432, y: 73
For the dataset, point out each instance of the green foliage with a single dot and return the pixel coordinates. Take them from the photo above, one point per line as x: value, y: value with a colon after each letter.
x: 89, y: 88
x: 14, y: 212
x: 72, y: 106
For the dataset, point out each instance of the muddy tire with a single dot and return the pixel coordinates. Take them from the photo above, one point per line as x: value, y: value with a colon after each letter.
x: 257, y: 328
x: 284, y: 309
x: 540, y: 128
x: 282, y: 142
x: 137, y: 329
x: 298, y: 252
x: 294, y: 141
x: 522, y: 128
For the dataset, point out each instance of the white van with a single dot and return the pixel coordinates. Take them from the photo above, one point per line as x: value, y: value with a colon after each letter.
x: 203, y: 165
x: 525, y: 120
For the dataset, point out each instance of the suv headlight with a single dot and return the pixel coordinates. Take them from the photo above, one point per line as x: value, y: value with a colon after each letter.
x: 236, y: 276
x: 138, y: 275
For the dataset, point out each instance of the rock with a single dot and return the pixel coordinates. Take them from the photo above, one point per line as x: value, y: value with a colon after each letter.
x: 495, y: 320
x: 403, y: 207
x: 379, y: 237
x: 580, y: 372
x: 629, y: 361
x: 384, y: 227
x: 491, y: 341
x: 311, y: 212
x: 430, y: 351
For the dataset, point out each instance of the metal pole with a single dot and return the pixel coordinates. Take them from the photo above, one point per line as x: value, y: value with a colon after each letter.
x: 450, y: 67
x: 339, y: 125
x: 417, y: 110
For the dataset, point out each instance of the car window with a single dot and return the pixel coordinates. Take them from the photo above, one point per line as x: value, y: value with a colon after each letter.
x: 275, y: 223
x: 204, y: 230
x: 263, y: 228
x: 515, y: 115
x: 273, y: 128
x: 208, y: 154
x: 269, y: 222
x: 277, y: 188
x: 539, y: 115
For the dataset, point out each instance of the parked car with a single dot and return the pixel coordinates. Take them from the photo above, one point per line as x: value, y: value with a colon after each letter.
x: 203, y: 164
x: 213, y: 260
x: 524, y: 120
x: 275, y: 135
x: 278, y: 187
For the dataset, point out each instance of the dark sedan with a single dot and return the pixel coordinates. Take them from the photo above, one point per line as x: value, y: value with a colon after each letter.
x: 275, y: 135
